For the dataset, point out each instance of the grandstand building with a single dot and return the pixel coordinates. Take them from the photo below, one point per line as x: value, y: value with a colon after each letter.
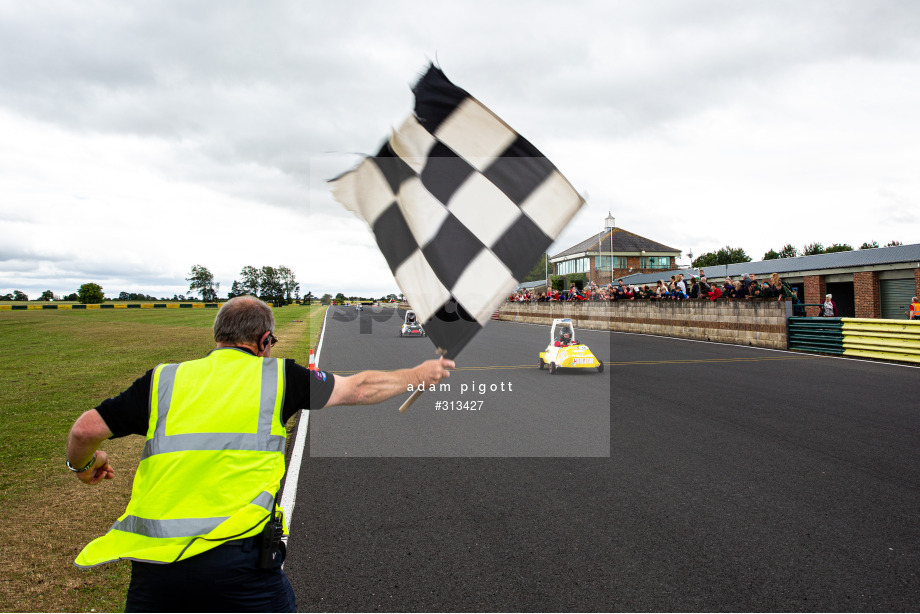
x: 611, y: 254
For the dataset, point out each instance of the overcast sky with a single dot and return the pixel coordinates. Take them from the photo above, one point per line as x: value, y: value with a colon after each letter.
x: 138, y: 139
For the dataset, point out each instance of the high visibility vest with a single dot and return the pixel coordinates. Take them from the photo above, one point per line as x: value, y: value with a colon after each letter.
x: 212, y: 463
x: 914, y: 310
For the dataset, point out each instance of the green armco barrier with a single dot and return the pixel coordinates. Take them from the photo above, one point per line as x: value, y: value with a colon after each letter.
x: 49, y: 306
x: 823, y: 335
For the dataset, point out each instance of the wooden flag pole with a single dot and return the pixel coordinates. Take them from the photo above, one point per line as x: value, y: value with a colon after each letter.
x: 415, y: 395
x: 410, y: 400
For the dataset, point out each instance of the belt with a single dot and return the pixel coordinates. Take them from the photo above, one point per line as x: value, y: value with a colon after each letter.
x: 247, y: 543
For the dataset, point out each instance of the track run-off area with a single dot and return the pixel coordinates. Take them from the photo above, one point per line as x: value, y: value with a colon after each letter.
x: 687, y: 476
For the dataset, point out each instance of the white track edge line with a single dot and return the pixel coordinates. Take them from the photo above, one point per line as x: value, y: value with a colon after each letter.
x: 289, y: 496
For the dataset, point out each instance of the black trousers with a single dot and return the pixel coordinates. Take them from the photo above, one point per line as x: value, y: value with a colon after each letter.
x: 224, y: 579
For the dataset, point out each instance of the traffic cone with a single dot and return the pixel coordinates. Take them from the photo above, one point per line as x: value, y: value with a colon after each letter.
x: 312, y: 361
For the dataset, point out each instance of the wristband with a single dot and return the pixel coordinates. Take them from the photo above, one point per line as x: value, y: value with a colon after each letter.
x: 85, y: 467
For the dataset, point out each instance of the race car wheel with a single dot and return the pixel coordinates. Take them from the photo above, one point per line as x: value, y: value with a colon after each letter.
x: 540, y: 364
x: 600, y: 368
x: 552, y: 368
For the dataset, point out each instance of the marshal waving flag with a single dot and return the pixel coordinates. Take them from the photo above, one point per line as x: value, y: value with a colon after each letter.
x: 462, y: 207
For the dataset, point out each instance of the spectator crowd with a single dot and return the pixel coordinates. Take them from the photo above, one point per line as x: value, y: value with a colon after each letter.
x: 676, y: 289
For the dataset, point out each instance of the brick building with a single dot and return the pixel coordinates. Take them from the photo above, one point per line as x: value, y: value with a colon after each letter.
x: 866, y: 283
x: 612, y: 254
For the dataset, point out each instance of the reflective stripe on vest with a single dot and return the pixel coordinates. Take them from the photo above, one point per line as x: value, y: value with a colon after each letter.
x: 261, y: 441
x: 214, y: 423
x: 181, y: 527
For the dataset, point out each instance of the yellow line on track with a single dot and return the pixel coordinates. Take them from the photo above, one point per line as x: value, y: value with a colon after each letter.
x: 619, y: 364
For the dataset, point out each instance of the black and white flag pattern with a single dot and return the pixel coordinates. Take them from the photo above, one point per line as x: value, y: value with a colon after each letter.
x: 461, y: 206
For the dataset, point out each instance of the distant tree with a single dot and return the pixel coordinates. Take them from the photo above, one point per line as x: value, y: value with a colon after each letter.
x: 340, y: 297
x: 893, y: 244
x: 135, y: 296
x: 869, y: 245
x: 201, y: 280
x: 838, y: 247
x: 308, y: 296
x: 249, y: 280
x: 271, y: 288
x: 236, y: 289
x: 788, y: 251
x: 47, y: 295
x: 6, y: 297
x: 326, y: 299
x: 19, y: 295
x: 813, y: 249
x: 90, y: 293
x: 538, y: 272
x: 289, y: 285
x: 73, y: 296
x: 726, y: 255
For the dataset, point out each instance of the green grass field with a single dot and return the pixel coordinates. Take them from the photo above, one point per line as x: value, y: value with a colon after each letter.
x: 54, y: 365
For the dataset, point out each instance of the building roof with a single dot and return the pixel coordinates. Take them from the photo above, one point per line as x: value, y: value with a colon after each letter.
x: 623, y: 241
x: 530, y: 285
x: 877, y: 257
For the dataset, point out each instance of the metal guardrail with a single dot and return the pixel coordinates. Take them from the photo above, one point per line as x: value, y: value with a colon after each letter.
x: 897, y: 340
x: 824, y: 335
x: 66, y: 306
x: 885, y: 339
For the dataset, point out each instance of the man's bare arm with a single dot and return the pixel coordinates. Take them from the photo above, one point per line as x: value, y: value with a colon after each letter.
x: 85, y: 436
x: 371, y: 387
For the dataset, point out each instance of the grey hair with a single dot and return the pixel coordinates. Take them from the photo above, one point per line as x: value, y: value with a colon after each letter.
x: 243, y: 319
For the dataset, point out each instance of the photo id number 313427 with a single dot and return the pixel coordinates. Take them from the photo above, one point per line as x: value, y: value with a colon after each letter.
x: 458, y: 405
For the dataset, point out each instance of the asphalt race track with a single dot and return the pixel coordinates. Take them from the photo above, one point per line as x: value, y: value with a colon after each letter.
x: 688, y: 476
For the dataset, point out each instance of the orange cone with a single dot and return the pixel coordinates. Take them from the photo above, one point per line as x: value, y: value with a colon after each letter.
x: 312, y: 361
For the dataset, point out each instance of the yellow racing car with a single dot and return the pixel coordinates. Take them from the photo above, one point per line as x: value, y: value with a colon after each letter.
x: 564, y: 352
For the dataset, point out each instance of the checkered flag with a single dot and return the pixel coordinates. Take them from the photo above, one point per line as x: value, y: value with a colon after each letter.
x: 461, y: 206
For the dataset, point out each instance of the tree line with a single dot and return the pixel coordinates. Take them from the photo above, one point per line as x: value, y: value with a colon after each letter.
x: 275, y: 284
x: 271, y: 284
x: 735, y: 255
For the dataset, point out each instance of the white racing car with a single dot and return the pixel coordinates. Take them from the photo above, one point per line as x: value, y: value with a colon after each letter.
x: 411, y: 326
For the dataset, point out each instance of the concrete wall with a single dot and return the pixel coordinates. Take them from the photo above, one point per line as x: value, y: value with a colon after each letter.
x: 760, y: 323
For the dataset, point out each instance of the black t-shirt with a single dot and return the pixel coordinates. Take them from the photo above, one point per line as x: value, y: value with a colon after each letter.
x: 128, y: 413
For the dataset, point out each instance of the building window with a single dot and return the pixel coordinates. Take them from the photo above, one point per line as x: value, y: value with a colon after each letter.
x: 655, y: 262
x: 602, y: 263
x: 578, y: 265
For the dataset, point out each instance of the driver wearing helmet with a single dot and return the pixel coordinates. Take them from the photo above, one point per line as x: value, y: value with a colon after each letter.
x: 565, y: 337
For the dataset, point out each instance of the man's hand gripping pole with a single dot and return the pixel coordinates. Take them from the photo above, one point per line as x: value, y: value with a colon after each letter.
x: 415, y: 395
